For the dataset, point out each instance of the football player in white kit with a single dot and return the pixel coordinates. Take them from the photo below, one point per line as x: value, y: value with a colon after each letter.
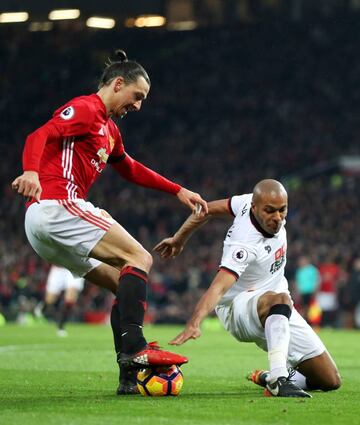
x: 59, y: 280
x: 250, y: 293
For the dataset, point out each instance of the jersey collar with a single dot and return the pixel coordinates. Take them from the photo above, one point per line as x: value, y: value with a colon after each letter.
x: 258, y: 227
x: 101, y: 104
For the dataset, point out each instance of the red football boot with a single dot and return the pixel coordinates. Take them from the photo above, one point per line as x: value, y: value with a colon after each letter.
x: 259, y: 377
x: 152, y: 356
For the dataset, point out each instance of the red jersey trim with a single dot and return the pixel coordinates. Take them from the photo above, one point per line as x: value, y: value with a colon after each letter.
x: 85, y: 215
x: 225, y: 269
x: 134, y: 271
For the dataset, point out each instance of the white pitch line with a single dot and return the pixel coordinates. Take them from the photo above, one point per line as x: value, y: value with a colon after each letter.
x: 7, y: 348
x: 24, y: 347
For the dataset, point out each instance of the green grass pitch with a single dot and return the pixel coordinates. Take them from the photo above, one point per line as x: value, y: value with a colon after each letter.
x: 49, y: 380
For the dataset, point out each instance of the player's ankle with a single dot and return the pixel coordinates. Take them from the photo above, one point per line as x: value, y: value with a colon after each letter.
x: 132, y: 339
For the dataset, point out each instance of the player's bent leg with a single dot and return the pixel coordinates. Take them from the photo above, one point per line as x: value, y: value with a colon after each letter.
x: 268, y: 300
x: 320, y: 372
x: 51, y: 298
x: 274, y: 311
x: 118, y: 249
x: 104, y: 276
x: 48, y: 308
x: 107, y: 277
x: 70, y: 298
x: 71, y: 295
x: 131, y: 300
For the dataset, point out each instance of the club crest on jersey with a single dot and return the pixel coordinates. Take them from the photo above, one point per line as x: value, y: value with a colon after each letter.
x: 67, y: 113
x: 103, y: 157
x: 101, y: 153
x: 240, y: 255
x: 280, y: 256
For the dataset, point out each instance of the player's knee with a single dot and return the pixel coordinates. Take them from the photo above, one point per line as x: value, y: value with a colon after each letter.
x: 271, y: 301
x: 148, y: 260
x: 332, y: 383
x: 143, y: 260
x: 284, y: 298
x: 281, y: 298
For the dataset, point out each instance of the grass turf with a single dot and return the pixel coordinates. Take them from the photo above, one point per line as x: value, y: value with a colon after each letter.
x: 46, y: 379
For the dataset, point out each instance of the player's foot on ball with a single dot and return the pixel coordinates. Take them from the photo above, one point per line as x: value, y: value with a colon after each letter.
x: 284, y: 387
x: 127, y: 388
x: 151, y: 355
x: 259, y: 377
x: 127, y: 381
x: 62, y: 333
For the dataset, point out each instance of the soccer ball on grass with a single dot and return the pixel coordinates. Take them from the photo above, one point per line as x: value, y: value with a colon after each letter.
x: 162, y: 381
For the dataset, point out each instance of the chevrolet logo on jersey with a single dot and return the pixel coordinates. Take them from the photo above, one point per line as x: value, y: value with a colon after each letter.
x: 101, y: 153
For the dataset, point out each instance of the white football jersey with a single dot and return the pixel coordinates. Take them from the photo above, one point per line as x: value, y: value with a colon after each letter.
x: 255, y: 257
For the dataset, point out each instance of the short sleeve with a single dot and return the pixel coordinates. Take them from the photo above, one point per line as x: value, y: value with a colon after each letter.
x: 239, y: 203
x: 236, y: 258
x: 74, y: 119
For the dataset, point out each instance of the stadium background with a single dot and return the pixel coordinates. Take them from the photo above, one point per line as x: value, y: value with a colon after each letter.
x: 241, y: 90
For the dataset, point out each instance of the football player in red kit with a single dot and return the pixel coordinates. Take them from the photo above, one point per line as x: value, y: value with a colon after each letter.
x: 61, y: 160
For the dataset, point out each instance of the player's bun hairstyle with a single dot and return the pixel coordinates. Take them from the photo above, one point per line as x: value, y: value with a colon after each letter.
x: 121, y: 55
x: 121, y: 66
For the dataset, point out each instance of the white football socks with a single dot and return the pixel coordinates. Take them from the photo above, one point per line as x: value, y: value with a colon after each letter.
x: 277, y: 334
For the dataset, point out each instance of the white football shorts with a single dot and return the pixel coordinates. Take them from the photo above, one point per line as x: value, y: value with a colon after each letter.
x: 242, y: 321
x: 61, y: 279
x: 64, y: 232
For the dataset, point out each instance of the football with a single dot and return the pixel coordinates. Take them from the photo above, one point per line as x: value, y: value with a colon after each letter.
x: 162, y: 381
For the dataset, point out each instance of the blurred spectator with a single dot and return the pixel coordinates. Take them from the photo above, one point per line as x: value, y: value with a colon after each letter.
x: 307, y: 280
x: 328, y: 291
x: 353, y: 287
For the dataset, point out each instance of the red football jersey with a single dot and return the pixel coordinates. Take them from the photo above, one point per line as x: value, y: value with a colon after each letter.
x: 81, y: 138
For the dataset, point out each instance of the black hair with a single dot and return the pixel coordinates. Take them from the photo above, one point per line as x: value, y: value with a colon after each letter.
x: 122, y: 67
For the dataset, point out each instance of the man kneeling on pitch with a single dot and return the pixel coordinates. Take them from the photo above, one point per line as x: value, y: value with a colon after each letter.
x: 251, y: 297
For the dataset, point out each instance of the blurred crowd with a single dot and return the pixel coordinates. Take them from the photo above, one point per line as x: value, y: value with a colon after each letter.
x: 227, y: 107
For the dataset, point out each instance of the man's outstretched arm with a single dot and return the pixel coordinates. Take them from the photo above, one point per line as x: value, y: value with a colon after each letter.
x: 136, y: 172
x: 221, y: 283
x: 171, y: 247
